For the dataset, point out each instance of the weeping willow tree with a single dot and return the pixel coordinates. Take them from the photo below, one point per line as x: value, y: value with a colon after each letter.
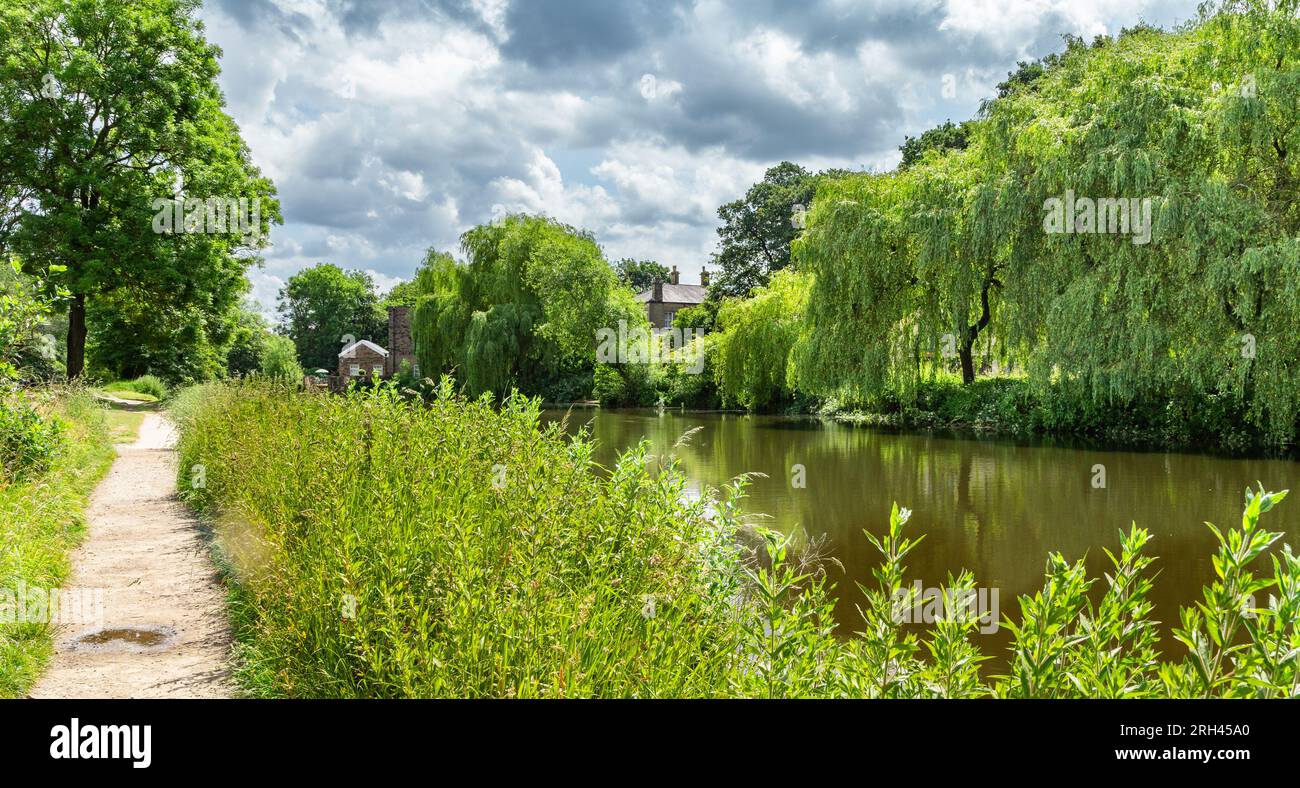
x: 523, y: 310
x: 1125, y: 224
x: 1190, y: 133
x: 856, y: 335
x: 752, y: 346
x: 907, y: 271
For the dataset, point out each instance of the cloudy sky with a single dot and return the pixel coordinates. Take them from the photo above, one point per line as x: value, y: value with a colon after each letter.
x: 390, y: 126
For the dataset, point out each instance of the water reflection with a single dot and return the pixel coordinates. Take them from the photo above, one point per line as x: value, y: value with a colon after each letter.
x: 994, y: 507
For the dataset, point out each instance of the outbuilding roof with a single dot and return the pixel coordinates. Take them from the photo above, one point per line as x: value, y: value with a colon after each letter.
x: 350, y: 350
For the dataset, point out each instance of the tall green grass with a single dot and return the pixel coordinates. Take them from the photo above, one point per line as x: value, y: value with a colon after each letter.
x: 42, y: 519
x: 457, y: 548
x: 146, y: 388
x: 384, y: 549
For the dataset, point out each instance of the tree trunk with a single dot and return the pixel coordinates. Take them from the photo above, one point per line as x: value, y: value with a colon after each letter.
x: 967, y: 355
x: 76, y: 336
x: 967, y: 350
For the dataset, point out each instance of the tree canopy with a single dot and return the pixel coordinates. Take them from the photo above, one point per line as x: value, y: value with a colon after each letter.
x: 1127, y: 229
x: 324, y: 307
x: 522, y: 311
x: 640, y: 275
x: 112, y: 117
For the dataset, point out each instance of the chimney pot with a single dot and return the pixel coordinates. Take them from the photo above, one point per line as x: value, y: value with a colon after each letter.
x: 658, y: 294
x: 704, y: 277
x: 674, y: 277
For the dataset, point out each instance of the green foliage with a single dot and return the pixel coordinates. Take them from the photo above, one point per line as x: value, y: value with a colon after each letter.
x: 756, y: 232
x: 43, y: 519
x: 280, y: 359
x: 701, y: 317
x: 402, y: 294
x: 430, y: 573
x: 752, y: 347
x: 23, y: 310
x: 107, y: 103
x: 247, y: 342
x: 609, y: 387
x: 524, y: 310
x: 1221, y: 665
x: 689, y: 384
x: 29, y: 442
x: 946, y: 136
x: 953, y: 262
x: 370, y: 564
x: 152, y: 385
x: 640, y: 275
x: 321, y: 305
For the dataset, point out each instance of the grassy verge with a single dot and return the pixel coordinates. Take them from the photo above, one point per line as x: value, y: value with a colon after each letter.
x: 453, y: 549
x: 123, y: 425
x: 41, y: 521
x: 131, y: 396
x: 379, y: 548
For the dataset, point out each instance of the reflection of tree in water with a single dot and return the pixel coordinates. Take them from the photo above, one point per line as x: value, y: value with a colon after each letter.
x: 996, y: 508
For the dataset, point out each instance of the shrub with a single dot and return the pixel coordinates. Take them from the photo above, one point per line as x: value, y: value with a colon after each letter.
x: 280, y: 359
x: 608, y: 386
x: 29, y: 442
x: 151, y: 385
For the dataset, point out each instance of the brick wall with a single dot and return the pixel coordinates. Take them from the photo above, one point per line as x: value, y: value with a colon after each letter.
x: 401, y: 345
x: 363, y: 356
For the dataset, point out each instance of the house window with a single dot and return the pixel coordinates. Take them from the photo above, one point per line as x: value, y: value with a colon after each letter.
x: 354, y: 370
x: 668, y: 319
x: 378, y: 370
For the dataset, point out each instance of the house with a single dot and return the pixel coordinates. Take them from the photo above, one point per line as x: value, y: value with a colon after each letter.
x: 362, y: 358
x: 664, y: 300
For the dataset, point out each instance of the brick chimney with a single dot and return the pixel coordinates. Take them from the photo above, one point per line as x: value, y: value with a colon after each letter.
x: 658, y: 294
x: 674, y: 277
x: 400, y: 345
x: 704, y: 277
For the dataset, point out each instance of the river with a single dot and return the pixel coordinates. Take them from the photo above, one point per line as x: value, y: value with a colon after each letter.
x: 995, y: 507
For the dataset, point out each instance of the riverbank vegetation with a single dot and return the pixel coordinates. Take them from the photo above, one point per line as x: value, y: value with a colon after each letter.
x: 1108, y: 249
x: 1170, y: 290
x: 382, y: 548
x: 1159, y: 312
x: 55, y: 446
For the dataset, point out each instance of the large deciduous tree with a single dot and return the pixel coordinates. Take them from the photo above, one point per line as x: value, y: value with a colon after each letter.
x: 757, y: 230
x: 323, y: 307
x: 1123, y: 219
x: 109, y: 114
x: 640, y: 274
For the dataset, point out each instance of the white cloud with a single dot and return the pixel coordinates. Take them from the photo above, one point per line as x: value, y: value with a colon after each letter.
x: 399, y: 129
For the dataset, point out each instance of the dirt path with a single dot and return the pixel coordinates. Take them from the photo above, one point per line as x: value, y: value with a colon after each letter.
x: 143, y: 548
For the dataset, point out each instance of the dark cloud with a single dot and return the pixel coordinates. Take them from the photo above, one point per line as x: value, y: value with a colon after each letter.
x: 546, y: 33
x: 257, y: 16
x: 362, y: 17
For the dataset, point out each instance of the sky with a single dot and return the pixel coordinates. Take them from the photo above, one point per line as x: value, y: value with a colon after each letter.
x: 392, y: 126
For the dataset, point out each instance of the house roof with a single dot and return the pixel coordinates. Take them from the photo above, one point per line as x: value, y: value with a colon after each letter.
x: 677, y: 294
x: 350, y: 350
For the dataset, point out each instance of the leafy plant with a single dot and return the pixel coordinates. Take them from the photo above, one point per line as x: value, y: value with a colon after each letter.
x: 29, y: 442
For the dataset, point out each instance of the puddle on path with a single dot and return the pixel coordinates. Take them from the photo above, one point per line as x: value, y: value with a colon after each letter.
x: 140, y: 637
